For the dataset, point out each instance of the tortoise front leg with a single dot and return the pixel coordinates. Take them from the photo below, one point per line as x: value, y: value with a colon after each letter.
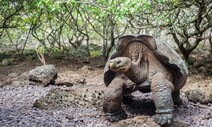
x: 161, y: 90
x: 113, y: 99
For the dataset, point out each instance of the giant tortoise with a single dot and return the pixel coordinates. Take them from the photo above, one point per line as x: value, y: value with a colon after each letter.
x: 141, y: 63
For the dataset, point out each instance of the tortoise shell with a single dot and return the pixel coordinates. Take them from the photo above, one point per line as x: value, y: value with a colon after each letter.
x: 165, y: 54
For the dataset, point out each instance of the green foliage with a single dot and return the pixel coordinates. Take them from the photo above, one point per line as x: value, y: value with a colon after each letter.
x: 41, y: 50
x: 3, y: 56
x: 95, y: 50
x: 63, y: 26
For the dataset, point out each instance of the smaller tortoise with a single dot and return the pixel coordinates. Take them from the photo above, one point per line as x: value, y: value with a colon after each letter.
x: 151, y: 67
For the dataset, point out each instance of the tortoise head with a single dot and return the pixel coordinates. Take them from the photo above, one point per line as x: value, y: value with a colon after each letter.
x: 120, y: 64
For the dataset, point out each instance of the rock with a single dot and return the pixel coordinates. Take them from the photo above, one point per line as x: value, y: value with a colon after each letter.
x: 138, y: 121
x: 197, y: 64
x: 12, y: 75
x: 70, y: 78
x: 199, y: 95
x: 209, y: 68
x: 86, y: 69
x: 202, y: 69
x: 6, y: 62
x: 43, y: 75
x: 176, y: 123
x: 65, y: 98
x: 77, y: 79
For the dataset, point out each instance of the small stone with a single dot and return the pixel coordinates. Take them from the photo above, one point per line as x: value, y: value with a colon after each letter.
x: 179, y: 124
x: 86, y: 68
x: 202, y: 69
x: 13, y: 75
x: 138, y: 121
x: 199, y: 95
x: 6, y: 62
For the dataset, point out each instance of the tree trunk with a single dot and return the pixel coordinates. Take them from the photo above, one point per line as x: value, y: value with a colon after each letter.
x: 210, y: 41
x: 186, y: 56
x: 88, y: 46
x: 109, y: 49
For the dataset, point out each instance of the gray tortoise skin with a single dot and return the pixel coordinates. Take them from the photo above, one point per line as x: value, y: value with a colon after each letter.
x: 139, y: 63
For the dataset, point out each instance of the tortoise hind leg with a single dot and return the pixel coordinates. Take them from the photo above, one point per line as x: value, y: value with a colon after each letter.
x: 128, y: 99
x: 176, y: 97
x: 112, y: 101
x: 161, y: 90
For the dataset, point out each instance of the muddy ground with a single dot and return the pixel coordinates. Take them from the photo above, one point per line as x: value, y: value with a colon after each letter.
x: 17, y: 99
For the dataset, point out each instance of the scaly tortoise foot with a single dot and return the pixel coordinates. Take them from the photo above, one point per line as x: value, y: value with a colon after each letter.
x: 114, y: 117
x: 163, y: 118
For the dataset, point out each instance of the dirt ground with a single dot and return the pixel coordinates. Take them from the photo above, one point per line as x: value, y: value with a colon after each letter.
x: 17, y: 98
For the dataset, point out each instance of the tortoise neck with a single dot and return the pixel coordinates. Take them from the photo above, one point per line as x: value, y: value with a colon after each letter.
x: 138, y: 73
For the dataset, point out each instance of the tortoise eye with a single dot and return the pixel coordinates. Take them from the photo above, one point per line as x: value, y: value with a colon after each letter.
x: 118, y: 62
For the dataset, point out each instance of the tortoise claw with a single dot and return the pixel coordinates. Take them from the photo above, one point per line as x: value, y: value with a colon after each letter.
x: 114, y: 117
x: 163, y: 118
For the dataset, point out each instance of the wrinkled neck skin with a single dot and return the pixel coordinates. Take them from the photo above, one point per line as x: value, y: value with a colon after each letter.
x: 138, y: 72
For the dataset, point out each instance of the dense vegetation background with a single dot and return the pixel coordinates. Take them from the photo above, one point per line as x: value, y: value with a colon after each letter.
x: 91, y: 27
